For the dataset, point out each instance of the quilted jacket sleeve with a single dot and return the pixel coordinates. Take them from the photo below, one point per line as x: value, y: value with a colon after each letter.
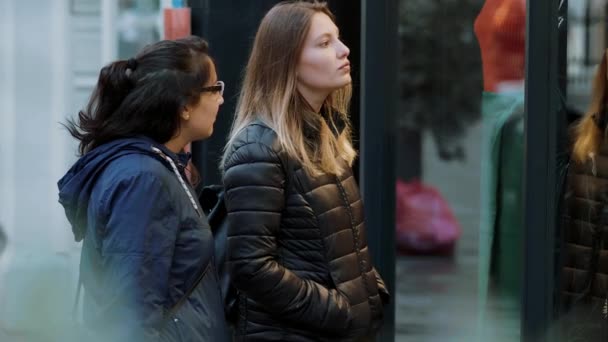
x: 254, y: 180
x: 137, y: 246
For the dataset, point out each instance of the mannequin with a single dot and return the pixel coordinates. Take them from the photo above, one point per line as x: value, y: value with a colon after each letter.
x: 500, y: 29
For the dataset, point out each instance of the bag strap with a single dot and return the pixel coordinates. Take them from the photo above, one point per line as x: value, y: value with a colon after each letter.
x: 187, y: 294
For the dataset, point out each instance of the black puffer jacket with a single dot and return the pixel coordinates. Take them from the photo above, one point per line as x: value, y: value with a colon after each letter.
x: 300, y: 260
x: 584, y: 271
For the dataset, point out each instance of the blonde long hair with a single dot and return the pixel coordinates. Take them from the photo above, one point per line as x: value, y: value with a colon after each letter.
x: 269, y: 93
x: 587, y: 135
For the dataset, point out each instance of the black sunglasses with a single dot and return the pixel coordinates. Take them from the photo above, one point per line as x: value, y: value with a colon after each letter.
x: 218, y: 87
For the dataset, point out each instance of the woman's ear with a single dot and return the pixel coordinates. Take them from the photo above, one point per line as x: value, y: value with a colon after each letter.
x: 186, y: 114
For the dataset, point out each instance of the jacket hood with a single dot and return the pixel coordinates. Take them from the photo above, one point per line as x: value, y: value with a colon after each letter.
x: 76, y: 185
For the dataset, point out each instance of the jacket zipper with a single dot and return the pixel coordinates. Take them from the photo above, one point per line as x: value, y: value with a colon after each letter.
x: 356, y: 232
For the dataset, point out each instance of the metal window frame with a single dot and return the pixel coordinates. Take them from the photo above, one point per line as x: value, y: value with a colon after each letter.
x: 545, y: 127
x: 379, y: 101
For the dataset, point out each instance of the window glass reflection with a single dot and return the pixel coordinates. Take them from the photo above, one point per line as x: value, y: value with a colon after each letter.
x: 138, y: 23
x: 461, y: 127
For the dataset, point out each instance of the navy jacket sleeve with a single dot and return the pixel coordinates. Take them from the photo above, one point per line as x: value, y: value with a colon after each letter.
x: 137, y: 247
x: 254, y: 181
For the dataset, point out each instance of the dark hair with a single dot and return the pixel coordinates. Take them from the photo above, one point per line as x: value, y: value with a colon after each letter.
x: 144, y: 95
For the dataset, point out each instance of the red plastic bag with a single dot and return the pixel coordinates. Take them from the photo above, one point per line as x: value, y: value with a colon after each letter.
x: 424, y: 221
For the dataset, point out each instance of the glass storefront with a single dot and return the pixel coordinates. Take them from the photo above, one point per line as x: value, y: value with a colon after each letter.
x: 462, y: 74
x: 139, y: 24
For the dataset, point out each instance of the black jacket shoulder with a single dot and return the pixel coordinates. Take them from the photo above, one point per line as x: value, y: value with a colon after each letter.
x: 256, y: 133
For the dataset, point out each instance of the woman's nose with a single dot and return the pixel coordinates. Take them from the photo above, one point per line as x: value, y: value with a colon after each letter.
x: 344, y: 51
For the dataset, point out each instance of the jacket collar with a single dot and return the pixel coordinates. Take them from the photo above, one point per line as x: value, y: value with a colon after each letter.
x: 180, y: 159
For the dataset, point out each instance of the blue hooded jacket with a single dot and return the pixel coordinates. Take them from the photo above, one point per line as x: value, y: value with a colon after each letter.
x: 145, y: 243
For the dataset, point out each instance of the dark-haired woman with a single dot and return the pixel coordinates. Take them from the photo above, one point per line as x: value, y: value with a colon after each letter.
x: 146, y: 266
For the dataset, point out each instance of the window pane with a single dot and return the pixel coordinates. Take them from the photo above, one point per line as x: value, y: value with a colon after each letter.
x: 138, y: 24
x: 459, y: 187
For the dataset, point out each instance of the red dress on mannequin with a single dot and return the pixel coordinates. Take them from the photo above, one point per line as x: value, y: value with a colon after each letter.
x: 501, y: 31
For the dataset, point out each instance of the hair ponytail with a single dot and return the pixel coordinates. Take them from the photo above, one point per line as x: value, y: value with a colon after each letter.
x: 113, y: 86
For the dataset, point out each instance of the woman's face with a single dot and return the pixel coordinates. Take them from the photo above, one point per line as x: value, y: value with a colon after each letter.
x: 323, y: 66
x: 199, y: 118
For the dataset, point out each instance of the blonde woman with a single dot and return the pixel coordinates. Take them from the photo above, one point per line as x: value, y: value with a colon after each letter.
x: 297, y: 246
x: 584, y: 287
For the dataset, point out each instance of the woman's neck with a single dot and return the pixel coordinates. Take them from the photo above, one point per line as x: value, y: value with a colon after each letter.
x: 314, y: 99
x: 176, y: 144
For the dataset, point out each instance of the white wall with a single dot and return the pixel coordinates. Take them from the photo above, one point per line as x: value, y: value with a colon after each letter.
x: 50, y: 56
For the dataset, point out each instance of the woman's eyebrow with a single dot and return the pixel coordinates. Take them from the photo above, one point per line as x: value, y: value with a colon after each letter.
x: 324, y: 35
